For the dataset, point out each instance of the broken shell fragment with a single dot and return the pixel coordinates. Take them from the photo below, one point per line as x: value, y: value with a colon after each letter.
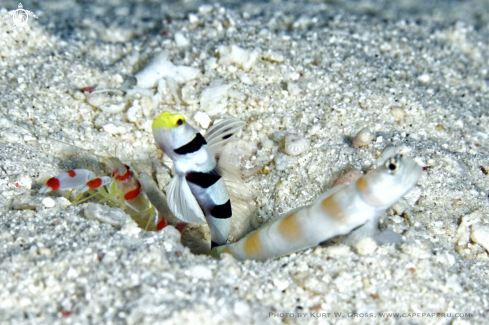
x: 295, y: 145
x: 363, y: 138
x: 398, y: 113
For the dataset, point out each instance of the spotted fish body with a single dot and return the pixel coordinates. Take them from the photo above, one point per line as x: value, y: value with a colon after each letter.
x: 197, y: 192
x: 336, y: 212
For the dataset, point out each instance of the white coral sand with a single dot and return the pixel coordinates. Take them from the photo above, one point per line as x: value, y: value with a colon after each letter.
x: 409, y: 73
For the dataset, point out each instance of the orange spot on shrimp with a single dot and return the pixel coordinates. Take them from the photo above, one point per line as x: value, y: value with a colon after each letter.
x: 162, y: 224
x: 94, y: 183
x: 252, y: 246
x: 289, y: 227
x: 122, y: 177
x: 133, y: 194
x: 53, y: 183
x: 71, y: 173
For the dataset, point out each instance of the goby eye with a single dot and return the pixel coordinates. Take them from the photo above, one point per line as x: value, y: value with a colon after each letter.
x: 392, y: 164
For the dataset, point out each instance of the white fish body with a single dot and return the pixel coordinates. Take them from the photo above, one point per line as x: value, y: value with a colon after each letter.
x: 197, y: 192
x: 336, y: 212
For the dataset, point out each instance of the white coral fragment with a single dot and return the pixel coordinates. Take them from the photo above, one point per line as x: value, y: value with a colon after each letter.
x: 107, y: 103
x: 181, y: 40
x: 213, y: 99
x: 160, y: 68
x: 203, y: 119
x: 295, y: 145
x: 48, y: 202
x: 113, y: 129
x: 366, y: 246
x: 191, y: 92
x: 424, y: 78
x: 235, y: 55
x: 105, y: 214
x: 113, y: 108
x: 273, y: 56
x: 480, y: 235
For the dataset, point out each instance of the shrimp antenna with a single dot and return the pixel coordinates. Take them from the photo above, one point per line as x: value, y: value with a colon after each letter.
x: 108, y: 90
x: 128, y: 83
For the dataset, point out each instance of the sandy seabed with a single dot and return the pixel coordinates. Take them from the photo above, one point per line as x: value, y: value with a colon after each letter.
x: 415, y: 75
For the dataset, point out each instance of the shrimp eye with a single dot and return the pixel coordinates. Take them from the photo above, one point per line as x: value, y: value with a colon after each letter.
x: 179, y: 121
x: 127, y: 167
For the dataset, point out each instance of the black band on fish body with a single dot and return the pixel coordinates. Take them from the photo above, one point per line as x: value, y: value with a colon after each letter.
x: 204, y: 180
x: 222, y: 211
x: 197, y: 142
